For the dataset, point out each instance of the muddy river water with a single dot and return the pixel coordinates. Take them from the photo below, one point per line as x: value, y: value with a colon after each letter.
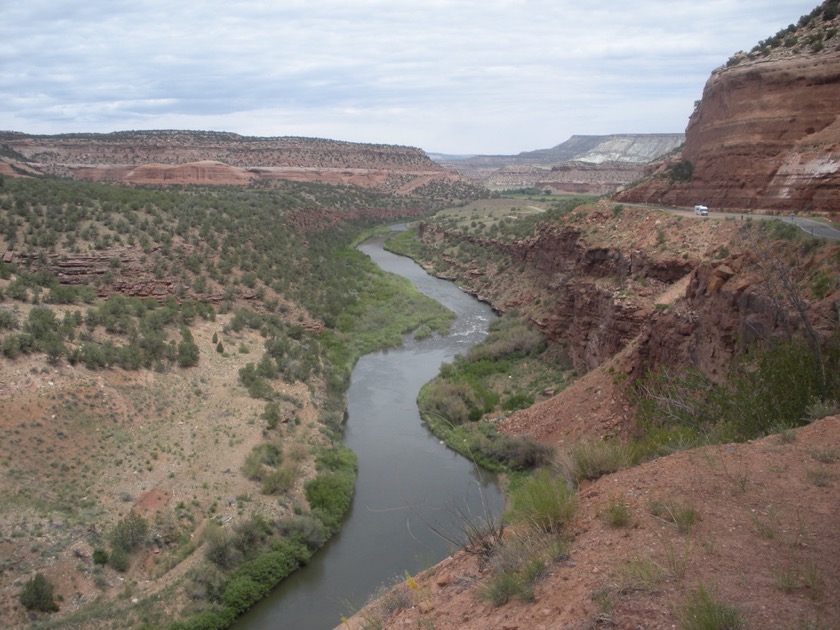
x: 409, y: 484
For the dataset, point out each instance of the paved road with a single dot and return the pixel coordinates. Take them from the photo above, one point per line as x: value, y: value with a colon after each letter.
x: 814, y: 228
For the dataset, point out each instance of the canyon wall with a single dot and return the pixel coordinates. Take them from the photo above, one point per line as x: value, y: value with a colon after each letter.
x: 765, y: 135
x: 599, y: 286
x: 216, y: 158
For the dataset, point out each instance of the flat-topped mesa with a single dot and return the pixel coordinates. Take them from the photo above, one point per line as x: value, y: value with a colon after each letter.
x: 200, y: 157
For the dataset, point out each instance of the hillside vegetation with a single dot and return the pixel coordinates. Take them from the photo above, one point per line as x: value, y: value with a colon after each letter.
x: 171, y: 387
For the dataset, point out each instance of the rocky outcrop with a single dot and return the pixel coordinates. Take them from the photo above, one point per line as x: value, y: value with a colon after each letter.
x: 599, y: 287
x: 213, y: 158
x: 593, y: 298
x: 766, y: 134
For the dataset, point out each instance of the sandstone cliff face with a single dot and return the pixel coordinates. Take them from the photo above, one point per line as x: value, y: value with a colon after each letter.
x: 212, y: 158
x: 589, y: 292
x: 601, y: 286
x: 766, y: 135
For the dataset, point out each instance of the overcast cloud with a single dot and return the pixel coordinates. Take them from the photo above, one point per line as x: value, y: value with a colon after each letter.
x: 456, y: 76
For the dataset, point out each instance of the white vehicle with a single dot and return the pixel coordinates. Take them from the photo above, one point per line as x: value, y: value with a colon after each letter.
x: 703, y: 211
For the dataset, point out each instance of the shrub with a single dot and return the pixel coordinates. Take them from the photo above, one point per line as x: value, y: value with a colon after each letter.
x: 329, y: 496
x: 681, y: 171
x: 220, y: 548
x: 129, y: 533
x: 681, y: 516
x: 271, y: 414
x: 188, y: 354
x: 119, y: 559
x: 100, y: 556
x: 278, y: 481
x: 307, y: 529
x: 8, y: 320
x: 37, y: 594
x: 616, y: 514
x: 701, y: 612
x: 544, y: 501
x: 591, y: 459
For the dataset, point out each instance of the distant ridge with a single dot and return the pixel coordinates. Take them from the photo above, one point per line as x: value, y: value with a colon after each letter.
x: 628, y: 147
x: 186, y: 157
x: 621, y: 154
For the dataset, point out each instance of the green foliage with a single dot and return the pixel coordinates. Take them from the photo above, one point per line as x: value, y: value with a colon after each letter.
x: 681, y: 172
x: 702, y: 612
x: 545, y: 501
x: 271, y: 414
x: 100, y: 556
x: 616, y: 513
x: 37, y: 594
x: 769, y: 388
x: 119, y: 559
x: 593, y: 458
x: 680, y: 515
x: 220, y: 549
x: 188, y: 354
x: 330, y: 493
x: 278, y: 481
x: 262, y: 457
x: 129, y: 533
x: 309, y: 530
x: 453, y: 404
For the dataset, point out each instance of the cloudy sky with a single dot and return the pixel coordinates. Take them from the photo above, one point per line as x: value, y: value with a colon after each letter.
x: 455, y: 76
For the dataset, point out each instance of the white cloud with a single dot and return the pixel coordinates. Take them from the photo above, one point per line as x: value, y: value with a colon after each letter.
x: 448, y: 75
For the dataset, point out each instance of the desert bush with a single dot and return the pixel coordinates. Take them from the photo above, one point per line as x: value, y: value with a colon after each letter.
x: 517, y: 565
x: 593, y: 458
x: 100, y: 556
x: 701, y: 611
x: 249, y: 533
x: 129, y: 533
x: 544, y: 501
x: 513, y: 453
x: 680, y: 515
x: 8, y: 320
x: 119, y: 559
x: 278, y: 481
x: 456, y: 402
x: 220, y: 548
x: 188, y: 354
x: 616, y: 513
x: 769, y: 389
x: 262, y: 456
x: 271, y: 414
x: 681, y: 171
x: 37, y: 594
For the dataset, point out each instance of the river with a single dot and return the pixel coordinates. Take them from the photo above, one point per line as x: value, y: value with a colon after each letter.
x: 409, y: 486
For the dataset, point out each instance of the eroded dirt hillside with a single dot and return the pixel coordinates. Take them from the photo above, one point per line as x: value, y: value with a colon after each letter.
x: 763, y: 540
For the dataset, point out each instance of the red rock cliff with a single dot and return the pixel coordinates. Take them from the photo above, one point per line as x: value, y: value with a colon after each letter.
x: 766, y: 134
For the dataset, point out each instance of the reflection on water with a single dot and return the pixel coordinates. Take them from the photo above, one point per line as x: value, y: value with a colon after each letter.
x: 411, y: 488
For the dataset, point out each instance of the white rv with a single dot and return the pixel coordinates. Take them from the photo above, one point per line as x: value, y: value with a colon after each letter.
x: 703, y: 211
